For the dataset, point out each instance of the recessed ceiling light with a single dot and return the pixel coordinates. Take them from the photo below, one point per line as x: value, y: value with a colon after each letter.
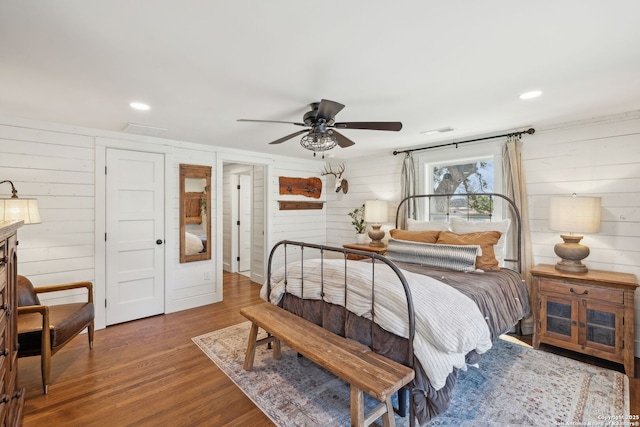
x: 140, y: 106
x: 440, y: 130
x: 530, y: 95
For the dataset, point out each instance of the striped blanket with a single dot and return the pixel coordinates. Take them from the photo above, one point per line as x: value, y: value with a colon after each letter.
x: 448, y: 324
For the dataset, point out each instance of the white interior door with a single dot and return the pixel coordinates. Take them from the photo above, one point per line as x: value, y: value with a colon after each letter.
x: 244, y: 229
x: 134, y: 235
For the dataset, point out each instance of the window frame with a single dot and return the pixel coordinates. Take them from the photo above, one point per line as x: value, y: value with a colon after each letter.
x: 427, y: 160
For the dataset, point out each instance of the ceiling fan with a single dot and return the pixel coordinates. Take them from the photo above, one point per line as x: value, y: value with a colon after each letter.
x: 320, y: 127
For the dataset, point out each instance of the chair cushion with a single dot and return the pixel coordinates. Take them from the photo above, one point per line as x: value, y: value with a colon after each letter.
x: 26, y: 294
x: 66, y: 321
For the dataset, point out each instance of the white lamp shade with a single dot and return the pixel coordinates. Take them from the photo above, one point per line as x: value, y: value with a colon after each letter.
x: 575, y: 214
x: 15, y: 209
x: 376, y: 211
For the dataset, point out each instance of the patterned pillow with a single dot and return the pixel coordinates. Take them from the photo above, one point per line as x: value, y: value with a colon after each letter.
x: 451, y: 257
x: 486, y: 240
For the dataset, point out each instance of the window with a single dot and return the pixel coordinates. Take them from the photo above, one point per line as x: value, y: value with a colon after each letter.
x: 475, y: 169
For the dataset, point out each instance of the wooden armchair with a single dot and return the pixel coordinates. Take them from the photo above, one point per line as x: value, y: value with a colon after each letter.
x: 63, y: 321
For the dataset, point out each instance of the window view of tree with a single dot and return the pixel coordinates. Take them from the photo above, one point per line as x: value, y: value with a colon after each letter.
x: 469, y: 177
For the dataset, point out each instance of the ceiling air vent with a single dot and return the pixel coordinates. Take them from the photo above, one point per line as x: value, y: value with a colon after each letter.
x: 143, y: 129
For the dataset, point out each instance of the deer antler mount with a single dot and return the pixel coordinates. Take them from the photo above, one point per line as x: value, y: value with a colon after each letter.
x: 341, y: 183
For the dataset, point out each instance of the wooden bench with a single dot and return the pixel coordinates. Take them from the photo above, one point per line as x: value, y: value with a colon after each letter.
x: 363, y: 369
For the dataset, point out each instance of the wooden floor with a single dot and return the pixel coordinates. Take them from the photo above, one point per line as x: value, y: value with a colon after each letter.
x: 149, y: 373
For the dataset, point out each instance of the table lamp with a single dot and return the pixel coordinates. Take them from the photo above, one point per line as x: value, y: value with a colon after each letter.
x: 375, y: 213
x: 573, y: 215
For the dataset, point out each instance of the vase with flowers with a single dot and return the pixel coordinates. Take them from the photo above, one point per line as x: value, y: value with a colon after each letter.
x: 357, y: 220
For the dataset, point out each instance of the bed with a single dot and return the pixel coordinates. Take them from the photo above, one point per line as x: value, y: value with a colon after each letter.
x: 435, y: 302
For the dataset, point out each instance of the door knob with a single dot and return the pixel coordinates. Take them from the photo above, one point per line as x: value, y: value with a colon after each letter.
x: 159, y: 242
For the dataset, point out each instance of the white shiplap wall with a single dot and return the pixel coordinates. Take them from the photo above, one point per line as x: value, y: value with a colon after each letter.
x: 370, y: 178
x: 57, y: 169
x: 597, y: 157
x: 299, y: 225
x: 62, y: 166
x: 258, y: 228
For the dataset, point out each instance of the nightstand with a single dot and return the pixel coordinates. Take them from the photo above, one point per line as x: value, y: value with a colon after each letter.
x: 590, y: 313
x: 364, y: 247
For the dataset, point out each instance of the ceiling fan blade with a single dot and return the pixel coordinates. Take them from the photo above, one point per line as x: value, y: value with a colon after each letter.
x: 394, y: 126
x: 271, y: 121
x: 285, y: 138
x: 342, y: 140
x: 327, y: 110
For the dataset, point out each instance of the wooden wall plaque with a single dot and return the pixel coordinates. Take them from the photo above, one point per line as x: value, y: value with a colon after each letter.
x: 308, y: 187
x: 295, y: 205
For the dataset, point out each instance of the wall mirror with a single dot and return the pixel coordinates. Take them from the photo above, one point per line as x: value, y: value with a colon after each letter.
x: 195, y: 221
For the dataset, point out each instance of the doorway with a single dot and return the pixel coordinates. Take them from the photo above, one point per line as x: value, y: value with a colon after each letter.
x: 243, y: 219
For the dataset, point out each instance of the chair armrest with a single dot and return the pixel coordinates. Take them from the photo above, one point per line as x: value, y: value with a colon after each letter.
x: 45, y: 339
x: 67, y: 286
x: 28, y: 309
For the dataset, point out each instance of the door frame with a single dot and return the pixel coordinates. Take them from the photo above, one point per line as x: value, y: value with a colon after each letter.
x: 100, y: 229
x: 222, y: 158
x: 235, y: 213
x: 239, y: 214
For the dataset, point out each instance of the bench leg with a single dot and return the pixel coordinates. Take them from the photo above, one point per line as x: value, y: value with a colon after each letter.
x: 277, y: 349
x: 358, y: 419
x: 357, y: 407
x: 251, y: 348
x: 387, y: 418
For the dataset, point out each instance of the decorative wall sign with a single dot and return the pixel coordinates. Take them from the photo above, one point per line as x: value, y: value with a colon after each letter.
x: 308, y: 187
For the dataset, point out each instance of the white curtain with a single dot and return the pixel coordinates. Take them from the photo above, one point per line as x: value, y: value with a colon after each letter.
x: 407, y: 188
x: 515, y: 188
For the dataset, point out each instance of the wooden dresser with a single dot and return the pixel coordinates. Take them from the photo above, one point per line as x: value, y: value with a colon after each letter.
x: 11, y: 397
x: 591, y: 313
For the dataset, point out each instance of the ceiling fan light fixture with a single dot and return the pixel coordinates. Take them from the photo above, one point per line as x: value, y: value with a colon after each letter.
x: 318, y: 142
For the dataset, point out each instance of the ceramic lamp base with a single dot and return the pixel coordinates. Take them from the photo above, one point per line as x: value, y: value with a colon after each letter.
x: 571, y: 253
x: 376, y: 235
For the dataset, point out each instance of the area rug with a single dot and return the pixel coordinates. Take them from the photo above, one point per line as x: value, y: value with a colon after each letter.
x: 513, y: 386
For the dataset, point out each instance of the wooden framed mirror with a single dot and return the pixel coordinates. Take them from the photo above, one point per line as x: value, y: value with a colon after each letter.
x: 195, y: 221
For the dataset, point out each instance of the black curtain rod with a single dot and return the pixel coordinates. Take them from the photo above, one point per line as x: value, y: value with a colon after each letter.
x: 530, y: 131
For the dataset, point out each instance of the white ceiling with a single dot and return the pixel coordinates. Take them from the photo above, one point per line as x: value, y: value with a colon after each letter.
x: 203, y: 64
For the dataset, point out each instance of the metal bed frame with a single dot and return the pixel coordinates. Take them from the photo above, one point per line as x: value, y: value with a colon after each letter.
x: 374, y: 258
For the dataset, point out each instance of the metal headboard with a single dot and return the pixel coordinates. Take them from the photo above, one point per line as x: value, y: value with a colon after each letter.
x: 515, y: 215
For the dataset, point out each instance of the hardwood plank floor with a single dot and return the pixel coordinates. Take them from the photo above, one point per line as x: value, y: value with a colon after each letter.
x: 145, y: 373
x: 149, y: 373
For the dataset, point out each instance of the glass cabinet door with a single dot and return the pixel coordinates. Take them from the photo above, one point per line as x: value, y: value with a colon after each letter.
x: 559, y: 317
x: 601, y: 321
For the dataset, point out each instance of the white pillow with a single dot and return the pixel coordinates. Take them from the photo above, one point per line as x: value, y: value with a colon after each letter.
x: 414, y: 225
x: 462, y: 226
x: 193, y: 244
